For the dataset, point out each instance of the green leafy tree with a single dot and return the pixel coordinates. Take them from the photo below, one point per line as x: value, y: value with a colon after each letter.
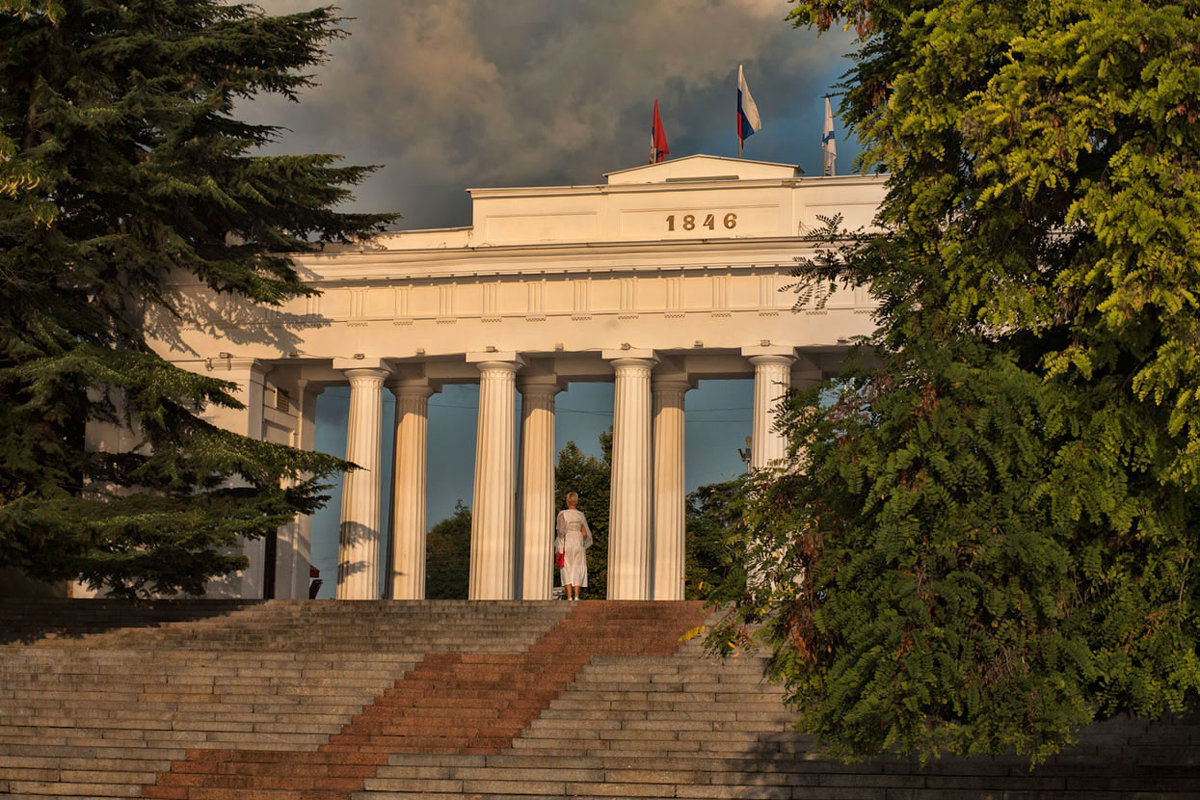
x: 121, y: 163
x: 989, y: 540
x: 713, y: 570
x: 591, y: 477
x: 448, y: 556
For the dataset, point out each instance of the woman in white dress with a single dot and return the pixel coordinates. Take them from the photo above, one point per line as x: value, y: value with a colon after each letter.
x: 572, y: 538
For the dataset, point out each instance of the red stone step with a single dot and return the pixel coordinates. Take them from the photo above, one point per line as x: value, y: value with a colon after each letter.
x: 448, y: 703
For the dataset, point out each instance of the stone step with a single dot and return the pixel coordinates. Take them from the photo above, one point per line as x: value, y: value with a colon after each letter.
x: 671, y: 782
x: 292, y: 625
x: 312, y: 704
x: 291, y: 740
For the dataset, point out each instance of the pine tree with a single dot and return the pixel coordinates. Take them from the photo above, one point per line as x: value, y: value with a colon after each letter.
x: 121, y: 163
x: 991, y: 538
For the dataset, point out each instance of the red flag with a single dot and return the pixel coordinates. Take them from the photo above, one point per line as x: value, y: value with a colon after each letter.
x: 658, y: 139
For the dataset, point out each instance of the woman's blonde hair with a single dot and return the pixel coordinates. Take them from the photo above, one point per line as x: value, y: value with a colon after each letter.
x: 573, y: 496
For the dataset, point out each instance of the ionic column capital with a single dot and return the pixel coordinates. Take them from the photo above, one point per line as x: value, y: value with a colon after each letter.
x: 632, y: 368
x: 672, y: 382
x: 767, y: 360
x: 627, y: 364
x: 548, y: 385
x: 367, y: 376
x: 508, y: 361
x: 499, y: 366
x: 412, y: 387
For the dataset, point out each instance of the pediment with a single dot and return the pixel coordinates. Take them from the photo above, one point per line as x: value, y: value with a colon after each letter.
x: 703, y: 167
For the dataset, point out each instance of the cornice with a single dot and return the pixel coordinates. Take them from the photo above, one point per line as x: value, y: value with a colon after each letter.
x: 681, y: 185
x: 550, y: 248
x: 555, y: 260
x: 552, y: 260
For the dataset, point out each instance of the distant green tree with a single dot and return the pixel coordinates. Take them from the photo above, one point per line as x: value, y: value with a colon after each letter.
x: 448, y: 556
x: 121, y: 165
x: 715, y: 531
x: 592, y: 478
x: 992, y: 538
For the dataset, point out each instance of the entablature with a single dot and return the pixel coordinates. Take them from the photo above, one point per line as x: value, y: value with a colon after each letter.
x: 526, y: 261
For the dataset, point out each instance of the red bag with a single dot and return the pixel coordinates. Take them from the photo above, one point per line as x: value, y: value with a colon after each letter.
x: 559, y: 559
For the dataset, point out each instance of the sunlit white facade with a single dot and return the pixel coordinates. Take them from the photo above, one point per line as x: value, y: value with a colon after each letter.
x: 661, y: 276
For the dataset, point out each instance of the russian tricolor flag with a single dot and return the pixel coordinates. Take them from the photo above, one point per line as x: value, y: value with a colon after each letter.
x: 748, y: 120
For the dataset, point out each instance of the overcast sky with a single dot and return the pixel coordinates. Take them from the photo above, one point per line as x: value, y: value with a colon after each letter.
x: 450, y: 94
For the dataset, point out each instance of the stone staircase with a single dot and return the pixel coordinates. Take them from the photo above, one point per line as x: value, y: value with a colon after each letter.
x: 98, y: 698
x: 301, y: 700
x: 684, y: 726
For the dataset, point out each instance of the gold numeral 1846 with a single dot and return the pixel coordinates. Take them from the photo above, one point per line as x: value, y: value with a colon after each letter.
x: 687, y: 222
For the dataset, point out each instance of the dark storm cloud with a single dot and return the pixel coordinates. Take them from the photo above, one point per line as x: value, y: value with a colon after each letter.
x: 450, y: 94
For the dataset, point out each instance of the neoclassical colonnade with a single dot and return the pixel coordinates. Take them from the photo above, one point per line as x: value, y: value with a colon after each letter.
x: 646, y: 520
x: 656, y: 278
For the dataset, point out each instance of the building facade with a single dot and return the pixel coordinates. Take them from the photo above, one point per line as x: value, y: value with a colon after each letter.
x: 662, y: 276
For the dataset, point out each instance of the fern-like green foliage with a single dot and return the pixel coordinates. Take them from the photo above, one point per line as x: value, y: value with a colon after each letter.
x: 120, y: 163
x: 989, y: 539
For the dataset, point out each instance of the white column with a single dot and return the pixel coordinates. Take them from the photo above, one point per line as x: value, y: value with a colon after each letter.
x: 409, y: 480
x: 250, y: 375
x: 492, y: 525
x: 251, y: 390
x: 772, y: 374
x: 629, y: 516
x: 293, y: 579
x: 670, y: 532
x: 358, y: 547
x: 537, y: 485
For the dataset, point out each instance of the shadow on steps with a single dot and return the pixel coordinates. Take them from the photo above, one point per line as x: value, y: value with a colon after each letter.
x: 62, y: 620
